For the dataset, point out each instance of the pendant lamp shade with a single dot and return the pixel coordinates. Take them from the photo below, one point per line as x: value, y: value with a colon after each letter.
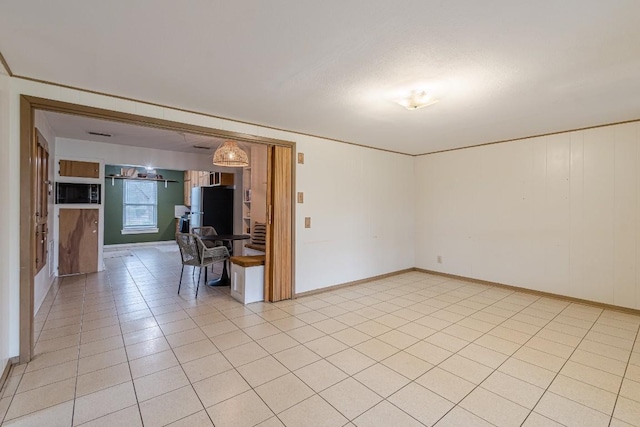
x: 230, y: 155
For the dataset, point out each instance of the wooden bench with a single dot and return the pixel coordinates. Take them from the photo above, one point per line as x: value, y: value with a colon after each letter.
x: 247, y: 278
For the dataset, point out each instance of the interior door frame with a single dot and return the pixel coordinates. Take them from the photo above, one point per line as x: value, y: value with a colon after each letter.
x: 28, y: 106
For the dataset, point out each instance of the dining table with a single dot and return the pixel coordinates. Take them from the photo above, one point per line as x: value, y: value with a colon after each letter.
x: 223, y: 280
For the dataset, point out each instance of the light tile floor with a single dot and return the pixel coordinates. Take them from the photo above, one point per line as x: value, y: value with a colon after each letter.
x: 121, y: 348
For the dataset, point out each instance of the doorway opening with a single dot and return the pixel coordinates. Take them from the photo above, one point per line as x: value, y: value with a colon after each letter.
x: 278, y: 196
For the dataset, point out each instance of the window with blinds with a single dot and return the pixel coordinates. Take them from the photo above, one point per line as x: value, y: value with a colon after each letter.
x: 140, y: 206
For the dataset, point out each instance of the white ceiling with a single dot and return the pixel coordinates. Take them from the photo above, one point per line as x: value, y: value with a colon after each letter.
x: 503, y: 69
x: 78, y: 127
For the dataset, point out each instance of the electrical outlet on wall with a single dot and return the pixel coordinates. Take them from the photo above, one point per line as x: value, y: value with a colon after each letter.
x: 439, y: 259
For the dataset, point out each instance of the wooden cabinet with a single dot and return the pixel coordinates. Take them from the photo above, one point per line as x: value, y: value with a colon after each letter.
x: 79, y: 169
x: 78, y: 241
x: 204, y: 179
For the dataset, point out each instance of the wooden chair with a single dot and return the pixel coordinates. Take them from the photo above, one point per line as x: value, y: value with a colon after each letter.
x: 196, y: 254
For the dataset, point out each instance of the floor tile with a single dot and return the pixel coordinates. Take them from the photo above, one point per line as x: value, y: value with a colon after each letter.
x: 513, y: 389
x: 536, y: 420
x: 312, y: 412
x: 205, y: 367
x: 41, y: 398
x: 485, y: 356
x: 230, y: 340
x: 103, y: 402
x: 627, y: 410
x: 493, y: 408
x: 350, y: 397
x: 262, y: 371
x: 199, y: 419
x: 296, y: 357
x: 381, y: 379
x: 193, y: 351
x: 305, y: 334
x: 170, y: 407
x: 102, y: 379
x: 161, y: 382
x: 284, y: 392
x: 146, y: 348
x: 244, y: 354
x: 350, y: 361
x: 407, y: 365
x: 55, y: 416
x: 446, y: 384
x: 458, y: 417
x: 583, y: 393
x: 328, y: 345
x: 422, y: 404
x: 35, y: 379
x: 568, y: 412
x: 385, y: 414
x: 466, y: 368
x: 101, y: 361
x: 220, y: 387
x: 245, y: 409
x: 125, y: 417
x: 320, y: 375
x: 278, y: 342
x: 153, y: 363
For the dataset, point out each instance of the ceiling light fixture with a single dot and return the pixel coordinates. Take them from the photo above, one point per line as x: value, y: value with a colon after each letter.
x: 416, y: 99
x: 230, y: 155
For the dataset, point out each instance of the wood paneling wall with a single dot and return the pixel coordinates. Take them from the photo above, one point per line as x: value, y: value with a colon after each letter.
x: 558, y: 214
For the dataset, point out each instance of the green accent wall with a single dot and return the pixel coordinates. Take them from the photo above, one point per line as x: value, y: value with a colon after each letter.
x: 167, y: 199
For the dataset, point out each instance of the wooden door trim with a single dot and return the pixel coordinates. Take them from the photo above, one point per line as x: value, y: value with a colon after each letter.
x: 28, y: 106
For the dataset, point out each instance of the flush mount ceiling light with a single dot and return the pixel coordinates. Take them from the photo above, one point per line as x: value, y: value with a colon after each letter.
x: 416, y: 99
x: 230, y: 155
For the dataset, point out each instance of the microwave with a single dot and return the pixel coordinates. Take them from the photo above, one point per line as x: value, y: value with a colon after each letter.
x: 73, y: 192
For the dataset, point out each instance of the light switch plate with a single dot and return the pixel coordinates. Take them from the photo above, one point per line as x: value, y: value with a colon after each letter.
x: 301, y: 158
x: 300, y: 197
x: 307, y: 222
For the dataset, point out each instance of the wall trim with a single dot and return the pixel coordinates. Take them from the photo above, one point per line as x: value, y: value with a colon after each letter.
x: 6, y: 65
x: 184, y: 110
x: 533, y: 292
x: 502, y: 141
x: 108, y: 248
x: 353, y: 283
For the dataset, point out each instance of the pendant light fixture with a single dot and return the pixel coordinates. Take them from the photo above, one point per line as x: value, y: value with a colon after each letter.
x: 230, y: 155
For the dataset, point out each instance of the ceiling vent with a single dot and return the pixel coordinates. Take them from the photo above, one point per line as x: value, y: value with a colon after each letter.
x: 106, y: 135
x: 202, y: 147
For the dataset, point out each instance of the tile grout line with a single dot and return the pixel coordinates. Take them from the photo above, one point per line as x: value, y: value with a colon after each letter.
x: 135, y: 392
x: 623, y: 377
x: 558, y: 373
x: 2, y: 420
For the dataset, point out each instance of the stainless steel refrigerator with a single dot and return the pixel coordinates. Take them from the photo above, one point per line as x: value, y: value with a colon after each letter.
x: 212, y: 206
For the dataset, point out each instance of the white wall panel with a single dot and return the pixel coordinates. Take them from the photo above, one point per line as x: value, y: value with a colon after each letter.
x: 8, y: 309
x: 556, y: 213
x: 361, y: 206
x: 598, y: 214
x: 625, y: 213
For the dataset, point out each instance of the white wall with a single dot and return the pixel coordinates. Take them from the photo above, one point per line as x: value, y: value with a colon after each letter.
x: 360, y: 199
x: 557, y: 214
x: 45, y: 278
x: 8, y: 289
x: 361, y: 204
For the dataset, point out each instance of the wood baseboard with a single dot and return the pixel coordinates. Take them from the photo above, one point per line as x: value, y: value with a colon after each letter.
x: 5, y: 372
x: 533, y: 292
x: 355, y: 282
